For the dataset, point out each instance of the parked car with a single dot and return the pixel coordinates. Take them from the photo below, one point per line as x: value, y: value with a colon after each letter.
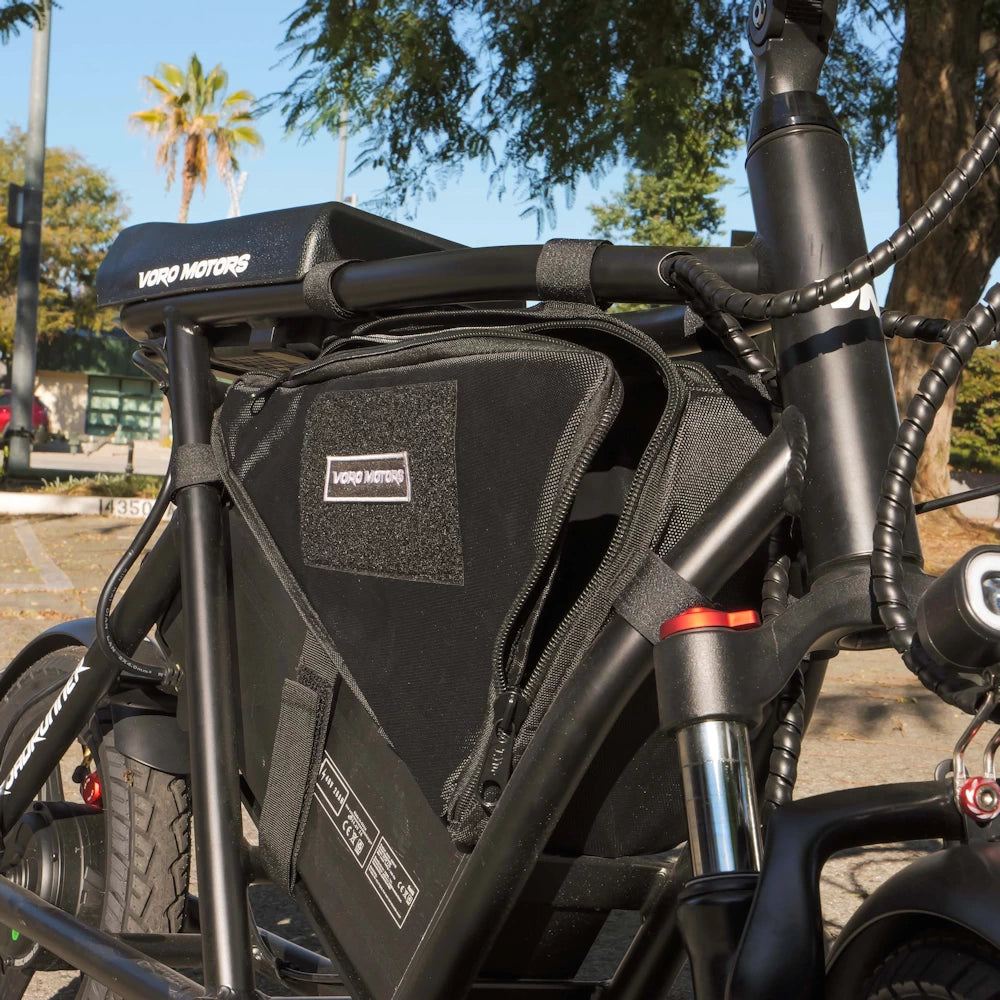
x: 39, y: 417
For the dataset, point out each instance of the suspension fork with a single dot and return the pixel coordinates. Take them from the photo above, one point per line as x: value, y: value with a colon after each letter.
x: 147, y: 598
x: 210, y: 676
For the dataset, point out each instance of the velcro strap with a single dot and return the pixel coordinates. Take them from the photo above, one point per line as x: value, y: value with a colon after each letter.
x: 194, y: 465
x: 317, y: 290
x: 563, y: 270
x: 655, y: 595
x: 299, y: 741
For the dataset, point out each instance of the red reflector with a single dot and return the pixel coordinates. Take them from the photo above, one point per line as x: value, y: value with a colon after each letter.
x: 708, y: 618
x: 90, y: 789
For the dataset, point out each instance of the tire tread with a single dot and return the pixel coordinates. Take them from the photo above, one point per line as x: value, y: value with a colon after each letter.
x: 148, y: 831
x: 938, y: 966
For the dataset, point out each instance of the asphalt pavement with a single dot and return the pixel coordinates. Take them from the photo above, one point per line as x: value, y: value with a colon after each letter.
x: 874, y: 722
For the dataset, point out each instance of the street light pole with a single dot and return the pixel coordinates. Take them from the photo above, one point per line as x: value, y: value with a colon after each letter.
x: 26, y: 322
x: 342, y: 165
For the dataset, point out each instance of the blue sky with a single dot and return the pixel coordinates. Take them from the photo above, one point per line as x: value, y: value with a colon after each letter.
x: 102, y: 48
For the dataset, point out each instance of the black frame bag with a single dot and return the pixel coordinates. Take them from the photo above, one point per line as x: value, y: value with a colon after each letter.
x: 455, y: 502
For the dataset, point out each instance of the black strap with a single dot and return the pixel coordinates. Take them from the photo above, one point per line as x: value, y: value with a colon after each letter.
x: 193, y: 465
x: 655, y: 595
x: 563, y: 270
x: 317, y: 289
x: 299, y: 741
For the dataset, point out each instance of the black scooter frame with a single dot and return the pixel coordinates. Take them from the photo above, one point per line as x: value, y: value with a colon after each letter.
x: 808, y: 223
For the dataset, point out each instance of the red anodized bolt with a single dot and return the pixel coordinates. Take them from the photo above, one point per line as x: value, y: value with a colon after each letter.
x: 90, y: 789
x: 980, y: 798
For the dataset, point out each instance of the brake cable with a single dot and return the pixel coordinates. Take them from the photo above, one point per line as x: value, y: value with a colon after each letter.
x: 105, y: 636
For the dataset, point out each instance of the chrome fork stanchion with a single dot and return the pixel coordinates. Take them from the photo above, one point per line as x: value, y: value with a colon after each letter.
x: 725, y: 843
x: 719, y: 797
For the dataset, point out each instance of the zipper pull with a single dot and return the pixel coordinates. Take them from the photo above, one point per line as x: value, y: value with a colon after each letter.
x: 259, y: 399
x: 509, y: 711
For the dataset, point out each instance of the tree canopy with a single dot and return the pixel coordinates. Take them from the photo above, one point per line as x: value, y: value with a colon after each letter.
x: 543, y: 93
x: 673, y: 205
x: 976, y: 434
x: 82, y: 213
x: 195, y: 116
x: 17, y: 14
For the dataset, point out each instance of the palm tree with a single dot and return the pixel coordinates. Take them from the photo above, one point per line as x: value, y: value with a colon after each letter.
x: 194, y: 112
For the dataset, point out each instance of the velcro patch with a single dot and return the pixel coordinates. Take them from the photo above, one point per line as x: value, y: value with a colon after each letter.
x: 368, y: 478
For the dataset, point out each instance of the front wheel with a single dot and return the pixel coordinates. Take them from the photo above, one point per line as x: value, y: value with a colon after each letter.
x: 938, y: 966
x: 135, y: 847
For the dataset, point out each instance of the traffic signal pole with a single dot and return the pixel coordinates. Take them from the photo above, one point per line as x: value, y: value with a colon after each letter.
x: 26, y: 323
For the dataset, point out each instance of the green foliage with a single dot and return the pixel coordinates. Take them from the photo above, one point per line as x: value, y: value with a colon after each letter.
x: 975, y: 435
x: 17, y: 14
x: 103, y: 485
x: 543, y: 93
x: 82, y: 213
x: 671, y: 206
x: 194, y: 114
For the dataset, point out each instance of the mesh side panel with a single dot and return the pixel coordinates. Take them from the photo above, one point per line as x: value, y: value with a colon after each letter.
x: 630, y: 801
x: 276, y: 435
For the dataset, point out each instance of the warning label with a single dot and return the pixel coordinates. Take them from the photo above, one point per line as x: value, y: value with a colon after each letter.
x: 345, y: 811
x: 393, y: 884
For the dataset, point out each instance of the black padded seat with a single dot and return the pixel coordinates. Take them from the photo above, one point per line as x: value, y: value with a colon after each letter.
x: 158, y: 259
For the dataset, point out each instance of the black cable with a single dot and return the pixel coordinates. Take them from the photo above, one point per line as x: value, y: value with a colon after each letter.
x: 900, y: 324
x: 715, y: 291
x: 960, y: 340
x: 786, y: 742
x: 964, y: 336
x: 956, y: 498
x: 774, y: 590
x: 730, y: 333
x: 156, y: 370
x: 105, y: 637
x: 786, y: 745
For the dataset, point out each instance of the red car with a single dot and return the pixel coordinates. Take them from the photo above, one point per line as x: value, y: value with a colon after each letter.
x: 39, y: 416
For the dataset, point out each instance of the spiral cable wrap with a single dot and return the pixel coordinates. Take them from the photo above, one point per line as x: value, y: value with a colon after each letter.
x: 786, y: 745
x: 963, y: 337
x: 728, y: 331
x: 774, y: 591
x: 718, y: 294
x: 909, y: 327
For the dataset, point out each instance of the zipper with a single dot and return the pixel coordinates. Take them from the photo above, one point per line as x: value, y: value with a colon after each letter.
x: 393, y: 344
x: 510, y: 708
x: 656, y: 452
x: 509, y: 711
x: 498, y: 762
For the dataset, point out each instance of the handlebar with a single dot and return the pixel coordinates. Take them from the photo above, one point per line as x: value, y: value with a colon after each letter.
x: 618, y: 274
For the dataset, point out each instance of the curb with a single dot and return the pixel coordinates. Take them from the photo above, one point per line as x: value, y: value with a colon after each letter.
x: 45, y: 503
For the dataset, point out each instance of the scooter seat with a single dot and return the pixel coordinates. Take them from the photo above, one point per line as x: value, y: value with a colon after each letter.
x: 159, y: 259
